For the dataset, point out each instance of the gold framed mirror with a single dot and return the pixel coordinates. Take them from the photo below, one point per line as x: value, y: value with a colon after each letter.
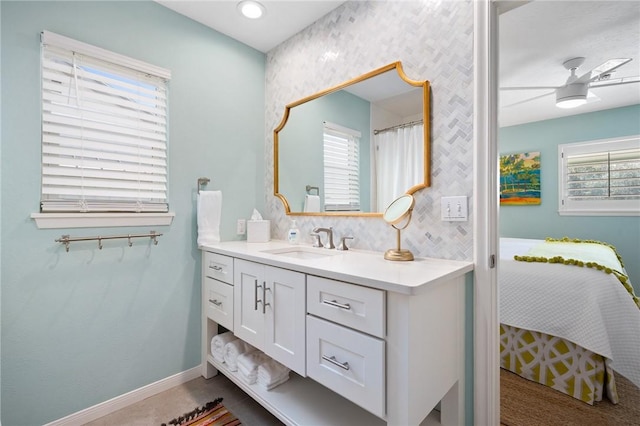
x: 353, y: 148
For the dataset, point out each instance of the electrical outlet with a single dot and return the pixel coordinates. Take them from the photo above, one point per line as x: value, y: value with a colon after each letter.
x: 241, y: 227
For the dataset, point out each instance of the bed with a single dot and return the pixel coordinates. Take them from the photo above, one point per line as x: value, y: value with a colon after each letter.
x: 568, y: 317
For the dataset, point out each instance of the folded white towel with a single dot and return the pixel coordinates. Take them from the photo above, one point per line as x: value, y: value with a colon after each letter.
x: 218, y: 343
x: 272, y: 385
x: 232, y: 350
x: 271, y: 371
x: 208, y: 216
x: 311, y: 203
x: 250, y: 361
x: 247, y: 379
x: 250, y: 375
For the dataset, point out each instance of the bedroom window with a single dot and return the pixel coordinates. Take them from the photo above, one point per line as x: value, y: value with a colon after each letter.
x: 341, y: 168
x: 600, y: 178
x: 104, y: 131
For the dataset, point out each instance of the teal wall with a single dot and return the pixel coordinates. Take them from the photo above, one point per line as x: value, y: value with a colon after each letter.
x: 543, y: 220
x: 82, y: 327
x: 300, y: 145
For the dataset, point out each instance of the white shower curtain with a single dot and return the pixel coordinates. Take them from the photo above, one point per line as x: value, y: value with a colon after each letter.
x: 399, y: 162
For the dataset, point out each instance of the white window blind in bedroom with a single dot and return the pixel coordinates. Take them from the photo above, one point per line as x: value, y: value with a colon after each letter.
x: 104, y: 130
x: 600, y: 177
x: 341, y: 168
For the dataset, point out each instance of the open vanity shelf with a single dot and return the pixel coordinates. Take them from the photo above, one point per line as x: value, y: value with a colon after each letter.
x: 368, y: 341
x: 301, y: 401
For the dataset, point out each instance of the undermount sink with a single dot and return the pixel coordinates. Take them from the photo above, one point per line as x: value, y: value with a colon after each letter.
x: 302, y: 252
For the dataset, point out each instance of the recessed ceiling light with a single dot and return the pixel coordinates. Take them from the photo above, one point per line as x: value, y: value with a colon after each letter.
x: 251, y: 9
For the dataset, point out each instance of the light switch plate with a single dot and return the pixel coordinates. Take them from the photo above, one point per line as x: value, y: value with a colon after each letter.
x: 454, y: 208
x: 241, y: 227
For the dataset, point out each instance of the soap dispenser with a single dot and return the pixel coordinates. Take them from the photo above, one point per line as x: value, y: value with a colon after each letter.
x: 294, y: 233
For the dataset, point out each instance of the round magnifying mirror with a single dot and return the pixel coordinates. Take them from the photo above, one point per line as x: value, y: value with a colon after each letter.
x: 399, y: 210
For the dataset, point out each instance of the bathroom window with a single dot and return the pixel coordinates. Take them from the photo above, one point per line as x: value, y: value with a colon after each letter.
x: 600, y: 178
x: 341, y: 168
x: 104, y: 131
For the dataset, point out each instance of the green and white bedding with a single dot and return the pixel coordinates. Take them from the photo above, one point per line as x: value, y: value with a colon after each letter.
x: 585, y: 306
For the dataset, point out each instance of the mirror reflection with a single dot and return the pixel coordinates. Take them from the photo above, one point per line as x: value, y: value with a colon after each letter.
x: 354, y: 148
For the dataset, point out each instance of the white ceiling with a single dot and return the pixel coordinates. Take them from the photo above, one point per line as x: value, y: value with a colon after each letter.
x: 282, y: 20
x: 535, y: 39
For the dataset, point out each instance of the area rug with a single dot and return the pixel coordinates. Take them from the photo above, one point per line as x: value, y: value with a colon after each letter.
x: 211, y: 414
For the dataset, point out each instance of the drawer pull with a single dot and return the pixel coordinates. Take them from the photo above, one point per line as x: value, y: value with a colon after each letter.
x: 336, y: 304
x: 332, y: 360
x: 215, y: 267
x: 215, y: 302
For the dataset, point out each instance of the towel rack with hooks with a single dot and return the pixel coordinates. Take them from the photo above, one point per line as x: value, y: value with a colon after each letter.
x: 67, y: 240
x: 202, y: 181
x: 311, y: 188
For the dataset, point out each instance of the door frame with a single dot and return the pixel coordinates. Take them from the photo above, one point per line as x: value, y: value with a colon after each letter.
x: 486, y: 209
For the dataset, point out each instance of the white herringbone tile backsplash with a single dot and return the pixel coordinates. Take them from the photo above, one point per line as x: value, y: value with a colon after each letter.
x: 434, y: 41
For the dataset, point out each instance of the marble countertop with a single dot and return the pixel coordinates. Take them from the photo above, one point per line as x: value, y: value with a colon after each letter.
x: 354, y: 266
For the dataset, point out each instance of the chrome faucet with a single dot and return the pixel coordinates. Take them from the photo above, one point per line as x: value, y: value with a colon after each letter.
x: 343, y: 243
x: 329, y: 232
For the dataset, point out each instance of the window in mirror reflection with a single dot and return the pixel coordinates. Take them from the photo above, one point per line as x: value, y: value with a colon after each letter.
x: 391, y: 114
x: 341, y: 168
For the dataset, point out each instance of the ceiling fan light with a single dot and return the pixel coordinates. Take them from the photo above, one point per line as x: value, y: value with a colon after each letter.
x: 572, y: 95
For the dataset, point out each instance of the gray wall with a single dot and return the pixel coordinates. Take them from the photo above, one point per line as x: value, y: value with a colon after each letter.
x: 82, y: 327
x: 543, y: 221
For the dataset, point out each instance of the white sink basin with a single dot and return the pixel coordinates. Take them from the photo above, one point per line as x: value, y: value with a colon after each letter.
x: 302, y: 252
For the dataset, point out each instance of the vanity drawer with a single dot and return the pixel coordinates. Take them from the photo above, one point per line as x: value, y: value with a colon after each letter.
x: 218, y: 266
x: 218, y: 302
x: 348, y: 362
x: 352, y: 305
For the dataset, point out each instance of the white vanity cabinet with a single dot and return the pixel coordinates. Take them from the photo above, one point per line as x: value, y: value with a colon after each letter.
x: 269, y: 311
x: 372, y: 341
x: 345, y: 340
x: 217, y: 300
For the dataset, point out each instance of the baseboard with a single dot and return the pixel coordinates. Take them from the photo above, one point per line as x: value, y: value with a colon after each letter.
x: 124, y: 400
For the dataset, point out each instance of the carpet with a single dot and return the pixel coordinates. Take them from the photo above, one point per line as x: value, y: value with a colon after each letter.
x: 211, y: 414
x: 527, y: 403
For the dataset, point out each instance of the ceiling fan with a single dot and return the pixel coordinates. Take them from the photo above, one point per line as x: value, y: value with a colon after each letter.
x: 576, y: 89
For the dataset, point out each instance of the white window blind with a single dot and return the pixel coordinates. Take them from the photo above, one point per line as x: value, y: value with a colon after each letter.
x: 600, y: 177
x: 341, y: 168
x: 104, y: 130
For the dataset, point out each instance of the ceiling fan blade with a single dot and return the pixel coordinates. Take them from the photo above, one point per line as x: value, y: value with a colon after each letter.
x: 601, y: 69
x: 614, y: 82
x: 528, y: 100
x: 530, y: 88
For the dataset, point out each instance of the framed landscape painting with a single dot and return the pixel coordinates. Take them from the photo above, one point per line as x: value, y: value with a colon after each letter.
x: 520, y: 179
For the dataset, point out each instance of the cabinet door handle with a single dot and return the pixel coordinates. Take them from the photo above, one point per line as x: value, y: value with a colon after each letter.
x: 336, y: 304
x: 215, y: 302
x: 264, y: 297
x: 332, y: 360
x: 255, y: 295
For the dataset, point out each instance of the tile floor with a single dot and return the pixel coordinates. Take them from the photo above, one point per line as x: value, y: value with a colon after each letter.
x: 165, y: 406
